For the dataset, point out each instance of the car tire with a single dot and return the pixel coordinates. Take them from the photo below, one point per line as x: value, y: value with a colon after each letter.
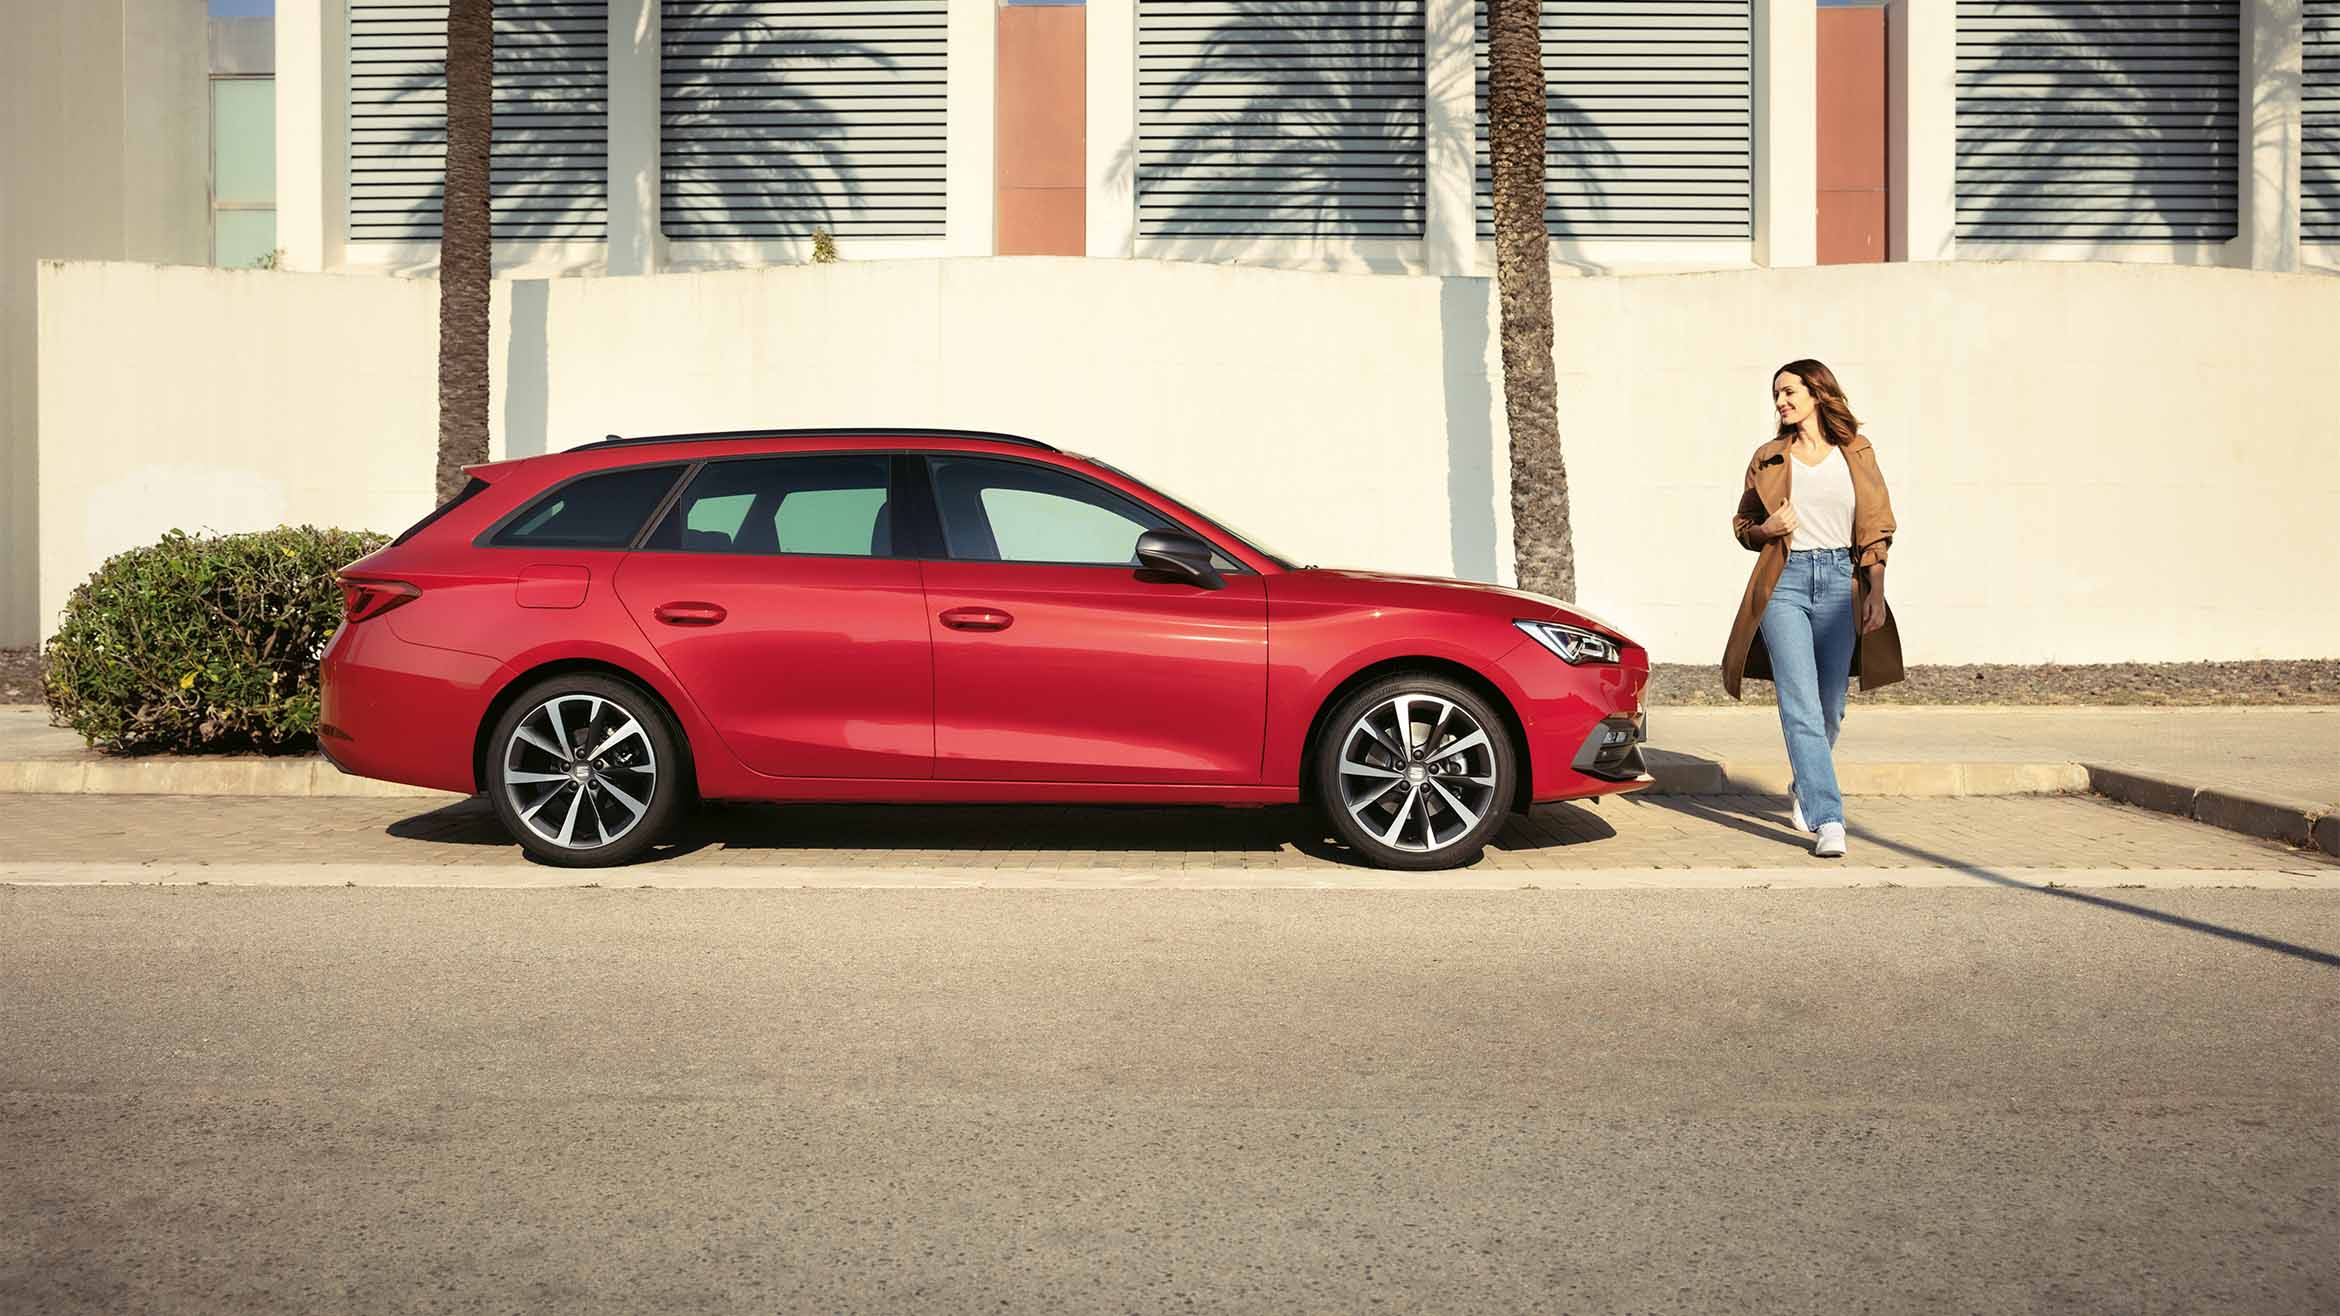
x: 1439, y: 804
x: 624, y: 801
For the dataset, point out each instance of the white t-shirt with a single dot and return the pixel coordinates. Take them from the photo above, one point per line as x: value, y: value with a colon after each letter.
x: 1823, y: 498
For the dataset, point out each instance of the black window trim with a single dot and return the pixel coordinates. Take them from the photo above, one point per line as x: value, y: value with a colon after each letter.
x: 926, y: 512
x: 472, y: 488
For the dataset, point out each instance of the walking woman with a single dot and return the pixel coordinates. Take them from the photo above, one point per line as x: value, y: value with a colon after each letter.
x: 1816, y: 514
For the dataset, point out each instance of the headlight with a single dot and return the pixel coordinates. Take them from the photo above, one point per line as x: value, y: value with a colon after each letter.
x: 1574, y: 644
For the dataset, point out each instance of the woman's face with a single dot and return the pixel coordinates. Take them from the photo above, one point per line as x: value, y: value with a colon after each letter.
x: 1791, y: 399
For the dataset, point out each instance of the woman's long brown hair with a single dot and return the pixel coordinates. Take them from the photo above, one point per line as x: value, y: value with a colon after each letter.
x: 1837, y: 423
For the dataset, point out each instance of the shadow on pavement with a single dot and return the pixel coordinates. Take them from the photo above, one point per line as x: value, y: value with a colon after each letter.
x: 1134, y: 831
x: 1772, y: 825
x: 2296, y: 951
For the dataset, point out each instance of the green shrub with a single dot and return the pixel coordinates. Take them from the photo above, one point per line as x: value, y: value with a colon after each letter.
x: 202, y: 643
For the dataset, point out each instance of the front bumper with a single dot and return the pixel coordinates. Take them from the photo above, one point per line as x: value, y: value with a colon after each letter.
x: 1612, y: 749
x: 1569, y: 713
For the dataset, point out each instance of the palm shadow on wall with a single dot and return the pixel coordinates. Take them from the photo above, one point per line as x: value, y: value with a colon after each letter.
x: 1264, y: 123
x: 1335, y: 150
x: 1655, y: 145
x: 548, y: 157
x: 771, y: 131
x: 2097, y: 147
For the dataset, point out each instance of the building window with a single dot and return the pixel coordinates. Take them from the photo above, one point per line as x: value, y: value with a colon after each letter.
x: 243, y: 170
x: 1649, y: 122
x: 2098, y: 120
x: 548, y: 177
x: 780, y: 118
x: 1273, y: 119
x: 2319, y: 165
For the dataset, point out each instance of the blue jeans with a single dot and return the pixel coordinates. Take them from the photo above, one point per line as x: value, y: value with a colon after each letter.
x: 1808, y: 631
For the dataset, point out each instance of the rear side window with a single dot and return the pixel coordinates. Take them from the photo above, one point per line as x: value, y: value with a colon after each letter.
x: 822, y: 506
x: 598, y: 511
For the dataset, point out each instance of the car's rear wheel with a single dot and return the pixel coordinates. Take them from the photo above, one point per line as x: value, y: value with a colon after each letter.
x: 585, y: 771
x: 1416, y: 771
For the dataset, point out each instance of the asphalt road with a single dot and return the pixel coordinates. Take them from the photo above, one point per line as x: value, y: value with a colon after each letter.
x: 1899, y: 1099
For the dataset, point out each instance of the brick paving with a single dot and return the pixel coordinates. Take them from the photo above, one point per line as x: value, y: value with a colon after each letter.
x: 2040, y: 832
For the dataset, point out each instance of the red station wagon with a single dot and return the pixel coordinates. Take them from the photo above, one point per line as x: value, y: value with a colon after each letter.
x: 596, y: 638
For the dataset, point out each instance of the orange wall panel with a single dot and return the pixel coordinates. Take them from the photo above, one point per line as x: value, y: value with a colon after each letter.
x: 1042, y: 171
x: 1851, y: 163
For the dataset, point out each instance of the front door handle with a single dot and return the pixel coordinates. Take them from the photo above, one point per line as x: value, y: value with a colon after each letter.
x: 977, y: 619
x: 689, y: 614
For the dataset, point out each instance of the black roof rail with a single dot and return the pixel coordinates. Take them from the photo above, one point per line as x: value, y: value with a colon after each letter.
x: 865, y: 431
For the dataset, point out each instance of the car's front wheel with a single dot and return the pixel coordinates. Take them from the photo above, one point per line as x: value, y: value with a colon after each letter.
x: 585, y: 771
x: 1416, y: 771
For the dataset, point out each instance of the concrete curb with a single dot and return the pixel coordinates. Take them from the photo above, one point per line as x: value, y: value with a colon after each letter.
x: 163, y: 775
x: 1817, y: 875
x: 2293, y: 822
x: 1694, y: 776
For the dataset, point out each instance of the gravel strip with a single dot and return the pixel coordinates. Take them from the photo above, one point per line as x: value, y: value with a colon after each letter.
x: 20, y: 676
x: 2311, y: 681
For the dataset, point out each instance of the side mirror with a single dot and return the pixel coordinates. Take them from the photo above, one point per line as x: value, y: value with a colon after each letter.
x: 1178, y: 554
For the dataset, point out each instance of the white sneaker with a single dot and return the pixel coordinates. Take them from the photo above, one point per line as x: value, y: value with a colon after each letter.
x: 1831, y: 842
x: 1796, y: 810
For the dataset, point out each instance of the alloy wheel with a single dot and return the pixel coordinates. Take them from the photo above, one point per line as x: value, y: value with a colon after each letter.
x: 579, y: 771
x: 1417, y: 772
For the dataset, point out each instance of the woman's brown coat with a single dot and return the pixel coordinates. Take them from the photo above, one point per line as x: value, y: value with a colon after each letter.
x: 1876, y: 657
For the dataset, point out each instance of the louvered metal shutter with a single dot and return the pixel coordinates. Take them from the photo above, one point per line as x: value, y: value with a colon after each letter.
x: 549, y: 168
x: 1280, y: 118
x: 2319, y: 162
x: 2097, y: 120
x: 784, y: 116
x: 1648, y: 119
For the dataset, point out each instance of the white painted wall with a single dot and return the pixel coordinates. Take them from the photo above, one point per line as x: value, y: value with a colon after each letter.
x: 2091, y: 462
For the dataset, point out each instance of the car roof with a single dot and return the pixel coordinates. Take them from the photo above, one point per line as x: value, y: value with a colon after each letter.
x: 857, y: 432
x: 618, y: 451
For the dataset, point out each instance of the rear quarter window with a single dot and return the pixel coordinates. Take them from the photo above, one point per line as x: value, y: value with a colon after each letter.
x: 596, y: 511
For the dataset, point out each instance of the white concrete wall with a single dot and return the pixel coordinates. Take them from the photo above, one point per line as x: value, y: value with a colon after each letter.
x: 226, y: 400
x: 2091, y: 462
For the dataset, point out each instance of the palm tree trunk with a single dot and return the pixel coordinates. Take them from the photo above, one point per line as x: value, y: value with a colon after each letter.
x: 464, y: 243
x: 1544, y: 556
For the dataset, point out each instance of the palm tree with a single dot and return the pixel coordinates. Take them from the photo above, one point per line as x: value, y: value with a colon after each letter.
x: 464, y: 243
x: 1544, y: 556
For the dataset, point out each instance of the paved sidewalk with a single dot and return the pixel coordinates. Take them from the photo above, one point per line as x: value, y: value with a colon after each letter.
x: 1712, y: 834
x: 2285, y: 753
x: 2291, y: 753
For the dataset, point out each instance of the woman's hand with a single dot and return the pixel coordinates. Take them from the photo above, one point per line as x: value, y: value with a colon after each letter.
x: 1873, y: 607
x: 1782, y: 523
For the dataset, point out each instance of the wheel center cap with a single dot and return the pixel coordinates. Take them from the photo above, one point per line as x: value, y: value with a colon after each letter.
x: 582, y: 772
x: 1417, y: 774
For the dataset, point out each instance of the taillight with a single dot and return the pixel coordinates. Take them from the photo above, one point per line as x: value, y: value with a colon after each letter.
x: 362, y: 600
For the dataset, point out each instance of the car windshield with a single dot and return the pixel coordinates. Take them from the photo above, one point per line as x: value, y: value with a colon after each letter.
x: 1217, y: 522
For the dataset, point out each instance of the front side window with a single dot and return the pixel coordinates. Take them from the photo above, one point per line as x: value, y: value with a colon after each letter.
x: 598, y: 511
x: 1005, y: 511
x: 824, y: 506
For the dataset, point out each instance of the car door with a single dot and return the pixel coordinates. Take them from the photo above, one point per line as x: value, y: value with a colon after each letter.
x: 772, y: 591
x: 1057, y: 659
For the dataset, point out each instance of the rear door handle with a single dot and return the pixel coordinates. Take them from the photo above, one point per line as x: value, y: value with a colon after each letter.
x: 977, y: 619
x: 689, y: 614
